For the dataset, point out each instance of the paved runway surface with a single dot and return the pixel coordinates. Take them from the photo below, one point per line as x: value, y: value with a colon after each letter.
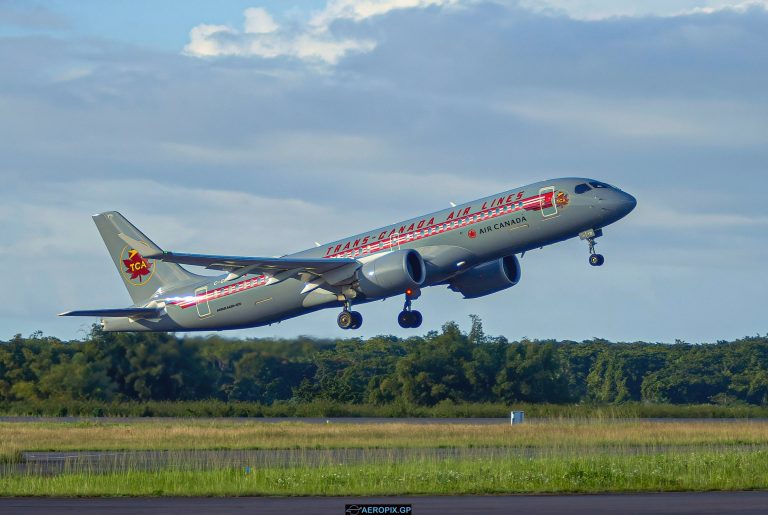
x: 670, y: 503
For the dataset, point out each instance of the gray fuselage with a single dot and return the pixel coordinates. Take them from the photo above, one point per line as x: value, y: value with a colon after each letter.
x: 450, y: 242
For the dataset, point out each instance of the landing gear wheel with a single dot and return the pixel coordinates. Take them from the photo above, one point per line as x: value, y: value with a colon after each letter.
x: 345, y: 319
x: 409, y: 319
x: 350, y: 320
x: 357, y: 320
x: 404, y: 319
x: 416, y: 319
x: 595, y: 259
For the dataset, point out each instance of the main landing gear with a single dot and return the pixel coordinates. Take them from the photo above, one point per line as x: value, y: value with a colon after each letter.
x: 349, y: 319
x: 408, y: 318
x: 590, y: 235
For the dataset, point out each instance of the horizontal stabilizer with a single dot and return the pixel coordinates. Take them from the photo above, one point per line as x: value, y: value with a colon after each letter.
x: 123, y: 312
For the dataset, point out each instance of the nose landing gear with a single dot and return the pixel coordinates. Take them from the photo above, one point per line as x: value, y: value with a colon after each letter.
x: 408, y: 318
x: 595, y: 259
x: 349, y: 319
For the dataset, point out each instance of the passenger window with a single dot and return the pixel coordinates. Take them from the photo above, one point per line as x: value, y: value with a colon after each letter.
x: 581, y: 188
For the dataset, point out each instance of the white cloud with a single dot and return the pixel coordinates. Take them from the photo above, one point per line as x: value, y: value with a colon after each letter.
x: 719, y: 6
x: 358, y: 10
x: 258, y: 21
x: 220, y: 41
x: 203, y: 43
x: 593, y: 10
x: 314, y: 40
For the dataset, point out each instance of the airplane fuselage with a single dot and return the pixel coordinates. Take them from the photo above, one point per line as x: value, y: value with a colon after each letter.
x: 450, y: 241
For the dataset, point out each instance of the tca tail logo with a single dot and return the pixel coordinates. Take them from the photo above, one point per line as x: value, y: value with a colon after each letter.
x: 137, y: 270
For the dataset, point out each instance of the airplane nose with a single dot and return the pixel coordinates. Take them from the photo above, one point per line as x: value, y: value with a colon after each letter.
x: 620, y: 203
x: 629, y: 202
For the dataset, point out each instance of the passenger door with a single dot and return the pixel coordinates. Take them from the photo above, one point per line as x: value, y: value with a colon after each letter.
x: 203, y: 308
x: 547, y: 200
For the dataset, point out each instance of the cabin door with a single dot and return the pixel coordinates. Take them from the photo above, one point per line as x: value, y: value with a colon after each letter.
x: 203, y: 308
x: 548, y: 203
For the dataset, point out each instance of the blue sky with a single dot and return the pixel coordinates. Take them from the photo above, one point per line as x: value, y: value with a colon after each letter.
x: 161, y: 25
x: 251, y: 128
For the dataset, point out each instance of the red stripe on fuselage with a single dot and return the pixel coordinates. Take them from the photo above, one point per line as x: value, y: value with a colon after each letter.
x: 218, y: 293
x: 528, y: 204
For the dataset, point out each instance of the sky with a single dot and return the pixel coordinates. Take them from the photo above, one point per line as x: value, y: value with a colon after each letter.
x: 255, y: 128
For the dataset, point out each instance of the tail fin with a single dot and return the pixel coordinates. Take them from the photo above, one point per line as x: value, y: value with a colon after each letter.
x: 142, y: 277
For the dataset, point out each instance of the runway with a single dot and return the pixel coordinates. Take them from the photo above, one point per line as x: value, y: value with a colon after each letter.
x: 625, y: 504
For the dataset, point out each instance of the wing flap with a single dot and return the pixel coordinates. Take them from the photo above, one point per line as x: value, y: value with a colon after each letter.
x: 121, y: 312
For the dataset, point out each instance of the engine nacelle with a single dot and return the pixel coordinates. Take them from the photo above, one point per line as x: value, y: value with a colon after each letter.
x: 391, y: 274
x: 487, y: 278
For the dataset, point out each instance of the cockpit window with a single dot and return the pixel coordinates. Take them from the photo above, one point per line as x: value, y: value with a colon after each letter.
x: 596, y: 184
x: 581, y: 188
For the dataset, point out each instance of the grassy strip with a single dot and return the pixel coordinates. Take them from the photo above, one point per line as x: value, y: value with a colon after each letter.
x: 660, y: 472
x: 564, y: 434
x: 216, y: 408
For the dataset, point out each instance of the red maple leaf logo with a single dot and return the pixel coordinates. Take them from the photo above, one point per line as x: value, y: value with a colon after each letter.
x: 136, y: 265
x: 472, y: 233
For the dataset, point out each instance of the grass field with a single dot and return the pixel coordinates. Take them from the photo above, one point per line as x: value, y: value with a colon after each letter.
x: 218, y: 434
x: 571, y: 456
x: 324, y: 408
x: 674, y: 472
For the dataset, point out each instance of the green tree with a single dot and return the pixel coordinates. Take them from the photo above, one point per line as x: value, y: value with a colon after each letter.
x: 531, y: 373
x: 434, y: 368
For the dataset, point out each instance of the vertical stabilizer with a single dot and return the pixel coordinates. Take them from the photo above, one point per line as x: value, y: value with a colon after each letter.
x: 142, y: 277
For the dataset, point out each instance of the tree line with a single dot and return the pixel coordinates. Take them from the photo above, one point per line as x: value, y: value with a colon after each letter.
x: 441, y: 366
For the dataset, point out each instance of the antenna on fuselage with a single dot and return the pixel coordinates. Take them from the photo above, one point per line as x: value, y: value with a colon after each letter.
x: 453, y: 204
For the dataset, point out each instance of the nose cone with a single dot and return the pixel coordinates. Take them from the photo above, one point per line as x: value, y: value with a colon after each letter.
x: 620, y: 204
x: 627, y: 203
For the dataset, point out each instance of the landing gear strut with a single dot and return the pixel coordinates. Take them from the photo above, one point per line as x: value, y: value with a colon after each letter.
x: 590, y: 235
x: 409, y: 318
x: 349, y: 319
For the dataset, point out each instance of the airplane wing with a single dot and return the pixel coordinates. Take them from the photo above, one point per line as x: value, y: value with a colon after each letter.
x: 332, y: 271
x: 123, y: 312
x: 318, y: 266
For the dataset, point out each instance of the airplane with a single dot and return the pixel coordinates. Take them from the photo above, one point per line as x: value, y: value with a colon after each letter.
x: 471, y: 248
